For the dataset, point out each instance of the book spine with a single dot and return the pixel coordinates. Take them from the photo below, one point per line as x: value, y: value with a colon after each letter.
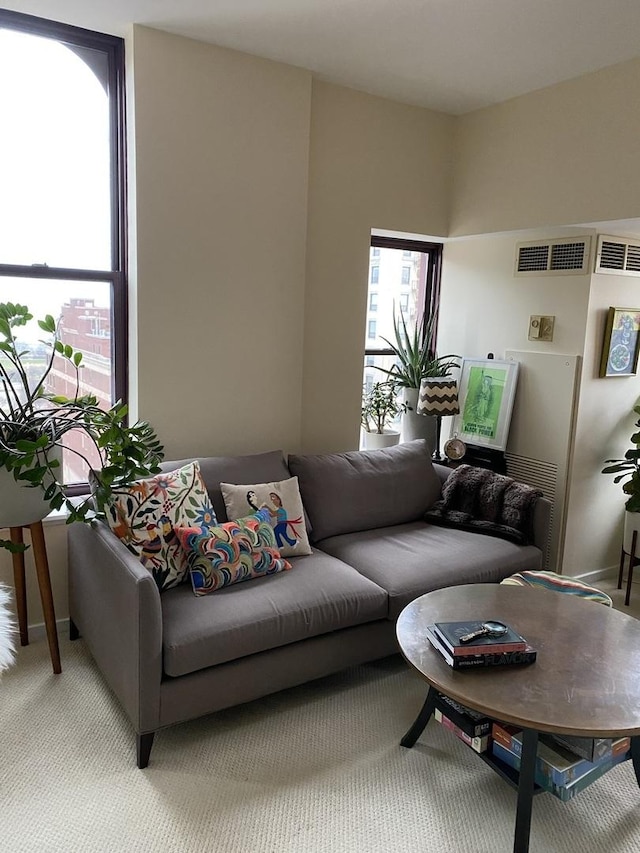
x: 474, y: 726
x: 563, y: 792
x: 562, y: 775
x: 478, y: 744
x: 526, y: 657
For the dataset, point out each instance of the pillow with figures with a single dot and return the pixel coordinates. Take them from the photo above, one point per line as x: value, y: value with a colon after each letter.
x: 231, y: 552
x: 145, y: 514
x: 279, y: 504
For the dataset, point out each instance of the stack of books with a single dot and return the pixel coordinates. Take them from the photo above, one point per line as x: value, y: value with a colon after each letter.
x: 470, y: 726
x: 487, y: 650
x: 559, y: 771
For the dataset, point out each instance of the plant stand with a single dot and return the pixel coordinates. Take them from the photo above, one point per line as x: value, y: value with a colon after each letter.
x: 630, y: 543
x: 44, y: 585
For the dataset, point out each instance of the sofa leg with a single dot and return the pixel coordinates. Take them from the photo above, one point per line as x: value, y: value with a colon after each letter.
x: 73, y: 630
x: 143, y: 748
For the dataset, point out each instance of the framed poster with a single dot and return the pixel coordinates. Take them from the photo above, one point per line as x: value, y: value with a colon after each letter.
x: 621, y: 340
x: 487, y: 390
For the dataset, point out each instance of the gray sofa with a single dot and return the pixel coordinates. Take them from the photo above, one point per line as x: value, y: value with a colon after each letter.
x: 171, y: 657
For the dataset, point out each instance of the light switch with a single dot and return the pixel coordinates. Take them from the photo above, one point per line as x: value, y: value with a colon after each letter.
x: 541, y: 327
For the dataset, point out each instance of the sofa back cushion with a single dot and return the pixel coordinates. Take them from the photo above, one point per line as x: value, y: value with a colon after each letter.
x: 364, y: 489
x: 255, y: 468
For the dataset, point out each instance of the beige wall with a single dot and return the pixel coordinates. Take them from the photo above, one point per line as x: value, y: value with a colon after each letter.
x: 373, y: 164
x: 562, y: 155
x: 221, y: 143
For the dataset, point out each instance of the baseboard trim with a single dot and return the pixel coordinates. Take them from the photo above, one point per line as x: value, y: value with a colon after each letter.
x: 598, y: 574
x: 39, y: 631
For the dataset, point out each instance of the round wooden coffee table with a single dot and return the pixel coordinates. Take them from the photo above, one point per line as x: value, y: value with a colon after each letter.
x: 585, y: 681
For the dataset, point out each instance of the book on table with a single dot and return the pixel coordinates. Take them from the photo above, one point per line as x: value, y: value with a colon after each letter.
x: 563, y: 792
x: 487, y: 659
x: 450, y: 634
x: 556, y: 765
x: 477, y: 743
x: 472, y: 723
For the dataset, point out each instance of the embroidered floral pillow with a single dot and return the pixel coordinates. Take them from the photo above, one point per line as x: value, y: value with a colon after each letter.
x: 145, y: 514
x: 279, y: 504
x: 231, y: 552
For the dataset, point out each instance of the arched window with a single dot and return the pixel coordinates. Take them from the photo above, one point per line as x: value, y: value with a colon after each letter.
x: 62, y: 204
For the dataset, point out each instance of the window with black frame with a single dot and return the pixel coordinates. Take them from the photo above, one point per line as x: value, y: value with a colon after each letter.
x: 404, y: 282
x: 62, y: 205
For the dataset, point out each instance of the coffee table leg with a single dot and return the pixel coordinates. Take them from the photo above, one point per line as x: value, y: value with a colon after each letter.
x: 421, y: 720
x: 635, y: 757
x: 525, y: 790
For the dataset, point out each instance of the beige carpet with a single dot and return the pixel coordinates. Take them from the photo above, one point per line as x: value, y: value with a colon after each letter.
x: 317, y: 768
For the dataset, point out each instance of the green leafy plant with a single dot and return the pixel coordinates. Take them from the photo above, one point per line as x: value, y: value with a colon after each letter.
x: 35, y: 422
x: 628, y: 469
x: 380, y: 406
x: 415, y: 357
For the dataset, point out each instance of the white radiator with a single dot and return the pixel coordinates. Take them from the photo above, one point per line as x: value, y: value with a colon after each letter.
x: 541, y: 434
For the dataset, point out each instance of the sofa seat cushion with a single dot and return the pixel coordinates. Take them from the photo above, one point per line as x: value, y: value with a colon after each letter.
x: 320, y: 594
x: 409, y: 560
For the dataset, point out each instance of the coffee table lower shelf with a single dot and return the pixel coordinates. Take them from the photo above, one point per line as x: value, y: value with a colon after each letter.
x: 522, y: 780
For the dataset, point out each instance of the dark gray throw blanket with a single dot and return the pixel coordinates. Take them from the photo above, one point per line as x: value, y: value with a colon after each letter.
x: 480, y: 500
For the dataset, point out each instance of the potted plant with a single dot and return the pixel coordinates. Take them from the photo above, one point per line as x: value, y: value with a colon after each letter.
x: 416, y: 360
x: 34, y: 423
x: 380, y: 407
x: 628, y: 470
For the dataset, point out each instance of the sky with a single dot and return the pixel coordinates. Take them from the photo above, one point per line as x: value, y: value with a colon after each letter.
x: 54, y: 170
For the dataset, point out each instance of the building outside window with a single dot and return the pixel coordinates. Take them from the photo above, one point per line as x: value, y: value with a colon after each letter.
x: 411, y: 289
x: 62, y: 223
x: 375, y: 272
x: 373, y: 302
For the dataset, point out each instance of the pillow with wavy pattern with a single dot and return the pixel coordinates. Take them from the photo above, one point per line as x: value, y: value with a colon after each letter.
x: 230, y: 553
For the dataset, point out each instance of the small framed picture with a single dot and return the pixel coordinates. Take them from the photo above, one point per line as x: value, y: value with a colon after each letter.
x: 621, y: 342
x: 486, y: 392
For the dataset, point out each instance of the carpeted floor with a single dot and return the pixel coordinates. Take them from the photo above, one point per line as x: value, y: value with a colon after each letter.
x: 316, y: 769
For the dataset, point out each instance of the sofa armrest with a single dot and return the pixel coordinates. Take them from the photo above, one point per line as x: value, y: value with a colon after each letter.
x: 115, y: 603
x: 541, y: 515
x: 542, y: 527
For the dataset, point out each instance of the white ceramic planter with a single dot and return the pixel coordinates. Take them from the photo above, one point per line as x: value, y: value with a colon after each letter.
x: 376, y: 440
x: 631, y: 523
x: 20, y: 505
x: 417, y: 426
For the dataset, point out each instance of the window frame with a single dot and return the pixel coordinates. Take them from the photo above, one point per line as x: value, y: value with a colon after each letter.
x: 431, y: 304
x: 77, y: 38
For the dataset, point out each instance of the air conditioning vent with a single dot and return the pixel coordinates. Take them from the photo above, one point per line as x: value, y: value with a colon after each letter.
x: 618, y: 255
x: 533, y: 258
x: 553, y: 257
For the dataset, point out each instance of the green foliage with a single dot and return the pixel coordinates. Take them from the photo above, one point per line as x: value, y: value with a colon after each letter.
x: 35, y: 423
x: 628, y: 469
x: 380, y: 406
x: 415, y: 356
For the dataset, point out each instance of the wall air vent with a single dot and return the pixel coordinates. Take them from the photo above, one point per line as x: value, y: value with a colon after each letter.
x: 568, y: 255
x: 618, y: 255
